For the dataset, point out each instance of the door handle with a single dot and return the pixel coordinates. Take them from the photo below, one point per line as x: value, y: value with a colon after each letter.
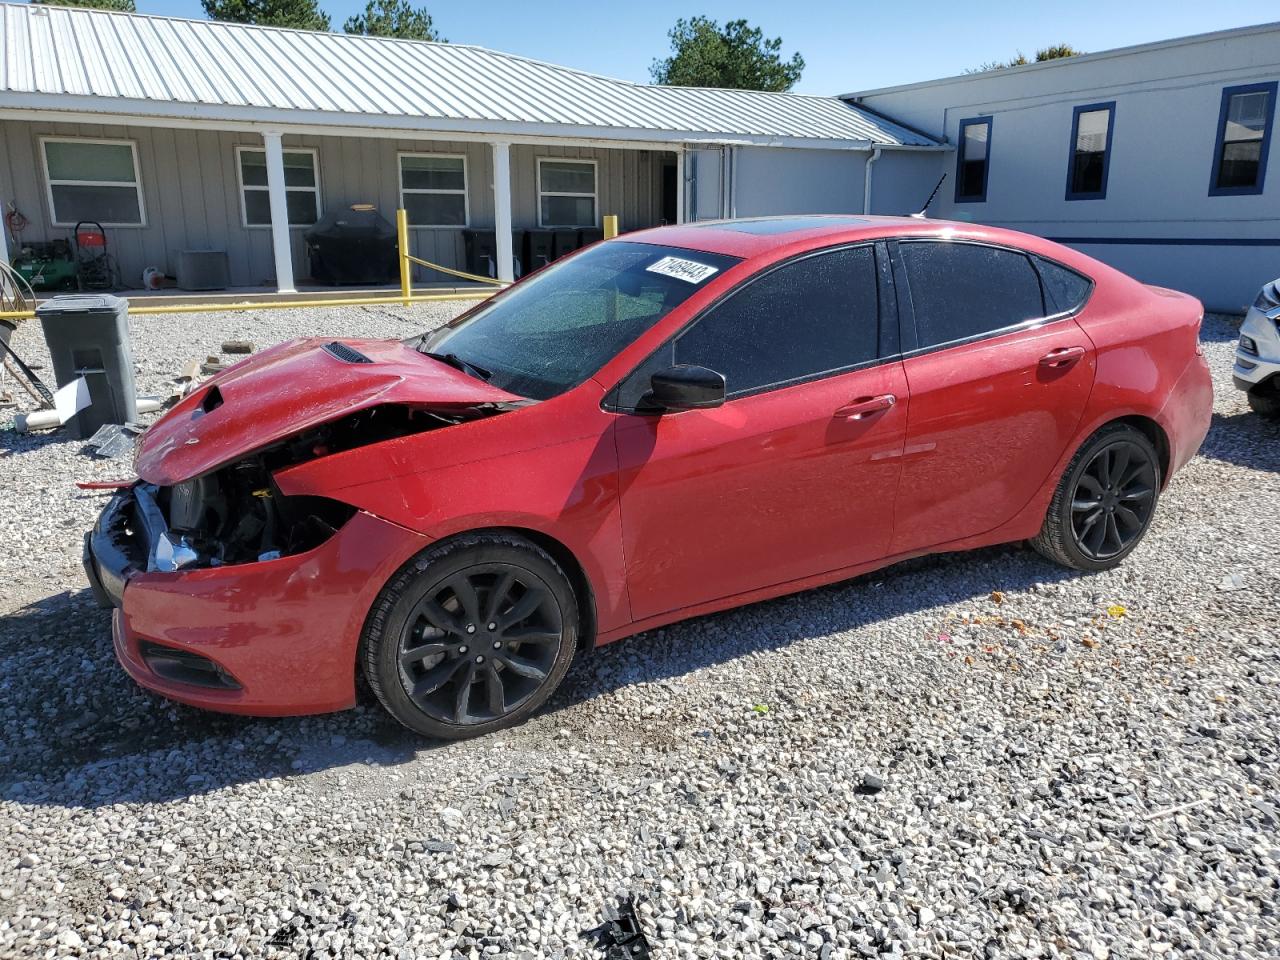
x: 865, y: 406
x: 1061, y: 357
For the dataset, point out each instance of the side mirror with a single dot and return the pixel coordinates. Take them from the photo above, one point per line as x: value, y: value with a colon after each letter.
x: 687, y: 387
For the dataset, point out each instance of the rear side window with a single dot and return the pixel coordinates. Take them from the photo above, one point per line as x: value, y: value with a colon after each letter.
x: 801, y: 319
x: 963, y: 290
x: 1065, y: 291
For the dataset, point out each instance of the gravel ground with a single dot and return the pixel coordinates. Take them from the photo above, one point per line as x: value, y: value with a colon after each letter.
x: 979, y: 755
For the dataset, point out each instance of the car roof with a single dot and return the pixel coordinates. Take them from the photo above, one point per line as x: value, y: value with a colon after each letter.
x: 753, y: 236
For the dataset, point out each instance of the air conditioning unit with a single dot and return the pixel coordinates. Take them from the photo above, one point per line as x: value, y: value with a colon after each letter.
x: 203, y: 270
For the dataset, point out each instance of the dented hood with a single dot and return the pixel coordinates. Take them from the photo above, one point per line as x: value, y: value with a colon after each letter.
x: 294, y: 387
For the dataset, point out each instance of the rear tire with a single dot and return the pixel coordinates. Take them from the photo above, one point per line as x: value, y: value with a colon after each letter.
x: 471, y: 636
x: 1104, y: 502
x: 1265, y: 402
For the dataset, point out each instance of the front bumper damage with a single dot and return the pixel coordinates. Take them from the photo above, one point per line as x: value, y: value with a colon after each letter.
x: 271, y: 638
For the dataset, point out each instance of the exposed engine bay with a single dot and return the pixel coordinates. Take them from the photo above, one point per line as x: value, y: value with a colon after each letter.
x: 237, y: 514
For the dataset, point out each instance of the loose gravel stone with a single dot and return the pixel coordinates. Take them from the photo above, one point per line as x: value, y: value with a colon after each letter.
x: 1069, y: 766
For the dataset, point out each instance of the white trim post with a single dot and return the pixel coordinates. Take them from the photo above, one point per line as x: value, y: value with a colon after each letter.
x: 681, y: 213
x: 277, y: 196
x: 502, y: 209
x: 4, y: 236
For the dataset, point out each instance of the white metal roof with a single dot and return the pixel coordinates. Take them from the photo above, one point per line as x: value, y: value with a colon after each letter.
x: 1079, y: 61
x: 62, y: 58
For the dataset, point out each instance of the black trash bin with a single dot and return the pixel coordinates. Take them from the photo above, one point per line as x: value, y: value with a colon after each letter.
x: 352, y: 246
x: 537, y: 249
x: 88, y: 336
x: 480, y: 250
x: 565, y: 241
x: 589, y: 235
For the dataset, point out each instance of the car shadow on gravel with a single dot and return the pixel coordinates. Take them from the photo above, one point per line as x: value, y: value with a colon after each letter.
x: 78, y: 733
x: 13, y: 443
x: 1245, y: 439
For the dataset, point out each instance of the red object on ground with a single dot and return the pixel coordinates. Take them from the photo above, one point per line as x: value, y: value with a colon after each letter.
x: 928, y: 448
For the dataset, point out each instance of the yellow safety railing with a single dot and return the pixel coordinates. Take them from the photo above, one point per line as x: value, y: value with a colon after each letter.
x: 405, y: 297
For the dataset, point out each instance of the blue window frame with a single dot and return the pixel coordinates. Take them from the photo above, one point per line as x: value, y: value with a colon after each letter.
x: 1244, y: 139
x: 973, y: 160
x: 1089, y: 161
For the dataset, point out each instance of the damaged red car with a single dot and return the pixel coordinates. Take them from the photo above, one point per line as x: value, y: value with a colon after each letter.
x: 666, y: 424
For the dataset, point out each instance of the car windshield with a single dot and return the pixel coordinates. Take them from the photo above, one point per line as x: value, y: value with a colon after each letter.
x: 555, y: 329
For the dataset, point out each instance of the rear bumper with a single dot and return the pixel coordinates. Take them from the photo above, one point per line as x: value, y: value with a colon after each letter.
x: 274, y: 638
x: 1188, y: 413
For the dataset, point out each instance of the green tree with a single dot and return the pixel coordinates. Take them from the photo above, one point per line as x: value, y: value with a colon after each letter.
x: 300, y: 14
x: 393, y: 18
x: 124, y: 6
x: 737, y: 55
x: 1055, y: 52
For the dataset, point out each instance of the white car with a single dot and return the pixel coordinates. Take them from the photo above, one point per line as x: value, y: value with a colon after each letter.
x: 1257, y: 369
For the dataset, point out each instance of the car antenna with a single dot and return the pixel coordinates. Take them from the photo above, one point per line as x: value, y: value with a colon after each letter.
x: 924, y: 211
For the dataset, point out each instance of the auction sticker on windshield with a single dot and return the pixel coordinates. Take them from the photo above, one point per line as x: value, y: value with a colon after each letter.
x: 690, y: 271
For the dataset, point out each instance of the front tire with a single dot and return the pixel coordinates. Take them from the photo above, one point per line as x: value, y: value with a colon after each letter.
x: 1104, y: 502
x: 471, y: 636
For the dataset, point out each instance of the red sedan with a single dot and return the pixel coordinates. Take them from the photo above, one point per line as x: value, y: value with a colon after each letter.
x: 667, y: 424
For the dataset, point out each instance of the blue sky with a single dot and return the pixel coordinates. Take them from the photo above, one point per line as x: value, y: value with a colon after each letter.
x: 847, y: 44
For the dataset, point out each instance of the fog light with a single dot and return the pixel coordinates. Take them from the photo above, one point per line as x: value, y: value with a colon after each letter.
x: 1248, y: 346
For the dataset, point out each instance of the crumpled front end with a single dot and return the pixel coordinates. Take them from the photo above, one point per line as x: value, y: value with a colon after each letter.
x: 276, y: 636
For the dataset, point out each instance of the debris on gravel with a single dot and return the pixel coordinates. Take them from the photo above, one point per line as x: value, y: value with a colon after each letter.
x: 973, y: 755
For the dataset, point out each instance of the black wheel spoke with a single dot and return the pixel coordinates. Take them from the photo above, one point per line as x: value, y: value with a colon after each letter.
x: 468, y: 599
x: 441, y: 619
x: 436, y: 677
x: 462, y: 702
x: 498, y: 596
x: 1078, y: 505
x: 523, y: 667
x: 1132, y: 522
x: 1090, y: 485
x: 497, y: 692
x: 1136, y: 493
x: 531, y: 635
x: 1119, y: 465
x: 419, y: 653
x: 1095, y: 537
x: 523, y: 608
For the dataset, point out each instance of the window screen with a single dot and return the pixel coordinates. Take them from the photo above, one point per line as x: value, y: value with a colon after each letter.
x: 1064, y: 290
x: 801, y: 319
x: 963, y: 290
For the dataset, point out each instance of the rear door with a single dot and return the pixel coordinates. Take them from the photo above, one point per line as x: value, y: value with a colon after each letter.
x: 796, y: 473
x: 999, y: 376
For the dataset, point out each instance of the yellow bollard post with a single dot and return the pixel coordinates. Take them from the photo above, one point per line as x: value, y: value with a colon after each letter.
x: 610, y: 226
x: 402, y: 242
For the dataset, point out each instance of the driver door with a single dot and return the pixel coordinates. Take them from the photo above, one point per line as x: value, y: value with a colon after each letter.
x: 796, y: 474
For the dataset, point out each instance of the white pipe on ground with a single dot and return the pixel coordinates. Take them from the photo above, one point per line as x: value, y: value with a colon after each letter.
x: 48, y: 419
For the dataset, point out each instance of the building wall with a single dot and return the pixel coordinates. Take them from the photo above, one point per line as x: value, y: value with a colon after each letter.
x: 191, y: 192
x: 1165, y: 129
x: 771, y: 181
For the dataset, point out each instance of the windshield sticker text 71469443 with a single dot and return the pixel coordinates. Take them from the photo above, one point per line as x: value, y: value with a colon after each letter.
x: 690, y: 271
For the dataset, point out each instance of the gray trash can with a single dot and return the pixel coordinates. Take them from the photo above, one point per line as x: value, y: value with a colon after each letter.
x: 88, y: 335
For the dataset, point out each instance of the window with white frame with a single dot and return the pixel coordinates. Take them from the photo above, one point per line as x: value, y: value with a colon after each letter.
x: 433, y: 189
x: 301, y: 185
x: 93, y: 180
x: 566, y: 193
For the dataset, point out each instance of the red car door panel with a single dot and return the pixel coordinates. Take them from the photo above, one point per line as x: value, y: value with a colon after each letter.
x: 766, y: 489
x: 988, y: 423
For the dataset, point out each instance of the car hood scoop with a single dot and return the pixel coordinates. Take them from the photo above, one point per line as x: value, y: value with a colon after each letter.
x: 294, y: 387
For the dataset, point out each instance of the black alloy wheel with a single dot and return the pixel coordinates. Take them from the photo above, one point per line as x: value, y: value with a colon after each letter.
x: 1104, y: 502
x: 480, y: 643
x: 471, y: 636
x: 1114, y: 498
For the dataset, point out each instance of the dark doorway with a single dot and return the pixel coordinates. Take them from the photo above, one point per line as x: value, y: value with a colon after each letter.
x: 669, y: 191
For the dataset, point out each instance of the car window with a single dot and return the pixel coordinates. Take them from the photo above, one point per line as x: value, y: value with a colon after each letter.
x: 963, y: 290
x: 560, y: 325
x: 1064, y: 289
x: 804, y: 318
